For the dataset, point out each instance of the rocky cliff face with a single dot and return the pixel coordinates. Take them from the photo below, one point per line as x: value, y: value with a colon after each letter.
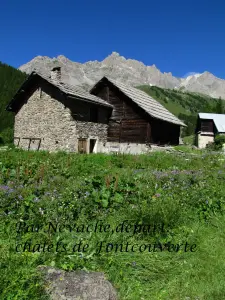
x: 128, y: 71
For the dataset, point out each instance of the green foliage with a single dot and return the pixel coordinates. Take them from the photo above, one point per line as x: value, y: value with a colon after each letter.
x: 220, y: 106
x: 218, y: 143
x: 190, y: 140
x: 184, y: 193
x: 10, y: 81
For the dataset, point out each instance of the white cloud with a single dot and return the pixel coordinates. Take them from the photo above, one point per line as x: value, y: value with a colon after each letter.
x: 190, y: 74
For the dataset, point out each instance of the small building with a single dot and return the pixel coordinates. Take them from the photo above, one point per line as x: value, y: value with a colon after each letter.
x: 137, y: 121
x: 51, y: 115
x: 208, y: 125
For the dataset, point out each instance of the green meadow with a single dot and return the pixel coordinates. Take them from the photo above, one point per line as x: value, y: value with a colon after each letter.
x: 158, y: 220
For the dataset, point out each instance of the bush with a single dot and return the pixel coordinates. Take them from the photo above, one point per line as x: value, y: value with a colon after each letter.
x: 219, y: 141
x: 7, y: 135
x: 217, y: 145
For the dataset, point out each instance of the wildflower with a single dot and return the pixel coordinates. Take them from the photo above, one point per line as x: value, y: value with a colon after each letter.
x: 157, y: 195
x: 86, y: 194
x: 4, y: 187
x: 41, y: 211
x: 36, y: 199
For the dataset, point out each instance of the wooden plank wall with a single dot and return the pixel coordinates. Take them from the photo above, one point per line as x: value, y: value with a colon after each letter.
x: 126, y: 124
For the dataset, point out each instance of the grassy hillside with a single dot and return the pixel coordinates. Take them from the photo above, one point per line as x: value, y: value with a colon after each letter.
x: 186, y: 195
x: 10, y: 81
x: 185, y: 105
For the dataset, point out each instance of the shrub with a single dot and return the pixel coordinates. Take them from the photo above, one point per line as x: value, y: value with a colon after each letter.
x: 219, y: 141
x: 7, y: 135
x: 217, y: 144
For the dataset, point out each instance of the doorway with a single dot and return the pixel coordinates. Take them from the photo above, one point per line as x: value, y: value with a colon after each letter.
x: 82, y: 146
x: 92, y: 145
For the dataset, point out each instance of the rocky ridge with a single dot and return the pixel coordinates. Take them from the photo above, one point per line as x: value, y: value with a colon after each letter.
x: 129, y: 71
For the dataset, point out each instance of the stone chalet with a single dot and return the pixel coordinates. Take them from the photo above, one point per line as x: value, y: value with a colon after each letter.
x: 208, y: 125
x: 52, y: 115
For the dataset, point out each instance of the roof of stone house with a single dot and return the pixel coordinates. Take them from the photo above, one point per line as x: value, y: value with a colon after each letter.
x: 218, y: 119
x: 66, y: 88
x: 146, y: 102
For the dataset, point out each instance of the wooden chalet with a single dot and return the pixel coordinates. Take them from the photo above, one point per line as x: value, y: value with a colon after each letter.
x: 136, y: 117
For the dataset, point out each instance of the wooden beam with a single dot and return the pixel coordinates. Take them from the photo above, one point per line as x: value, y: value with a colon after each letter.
x: 148, y: 136
x: 29, y: 145
x: 39, y: 144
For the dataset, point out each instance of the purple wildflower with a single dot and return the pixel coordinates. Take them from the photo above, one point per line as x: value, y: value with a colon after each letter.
x: 4, y: 187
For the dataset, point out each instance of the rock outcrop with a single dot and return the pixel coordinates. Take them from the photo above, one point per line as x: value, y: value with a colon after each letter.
x: 77, y: 285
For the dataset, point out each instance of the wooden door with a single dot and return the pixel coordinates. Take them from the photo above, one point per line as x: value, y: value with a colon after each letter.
x: 82, y: 146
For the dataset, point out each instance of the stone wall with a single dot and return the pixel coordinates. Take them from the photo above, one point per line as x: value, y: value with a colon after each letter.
x: 95, y: 131
x: 203, y: 140
x: 42, y: 117
x: 128, y: 148
x: 45, y: 123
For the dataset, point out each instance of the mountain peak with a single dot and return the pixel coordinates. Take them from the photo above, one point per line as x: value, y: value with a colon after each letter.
x: 115, y: 54
x: 62, y: 58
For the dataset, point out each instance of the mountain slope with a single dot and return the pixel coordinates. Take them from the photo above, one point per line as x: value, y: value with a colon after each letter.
x: 129, y: 71
x: 10, y: 81
x: 185, y: 105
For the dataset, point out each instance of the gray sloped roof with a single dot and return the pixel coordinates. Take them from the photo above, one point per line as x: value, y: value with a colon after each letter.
x: 218, y: 119
x: 147, y: 103
x: 66, y: 88
x: 73, y: 90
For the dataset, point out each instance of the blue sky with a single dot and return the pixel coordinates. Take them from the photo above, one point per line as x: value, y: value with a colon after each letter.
x: 177, y: 36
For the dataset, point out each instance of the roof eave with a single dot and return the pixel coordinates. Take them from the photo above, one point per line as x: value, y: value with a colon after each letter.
x: 88, y: 100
